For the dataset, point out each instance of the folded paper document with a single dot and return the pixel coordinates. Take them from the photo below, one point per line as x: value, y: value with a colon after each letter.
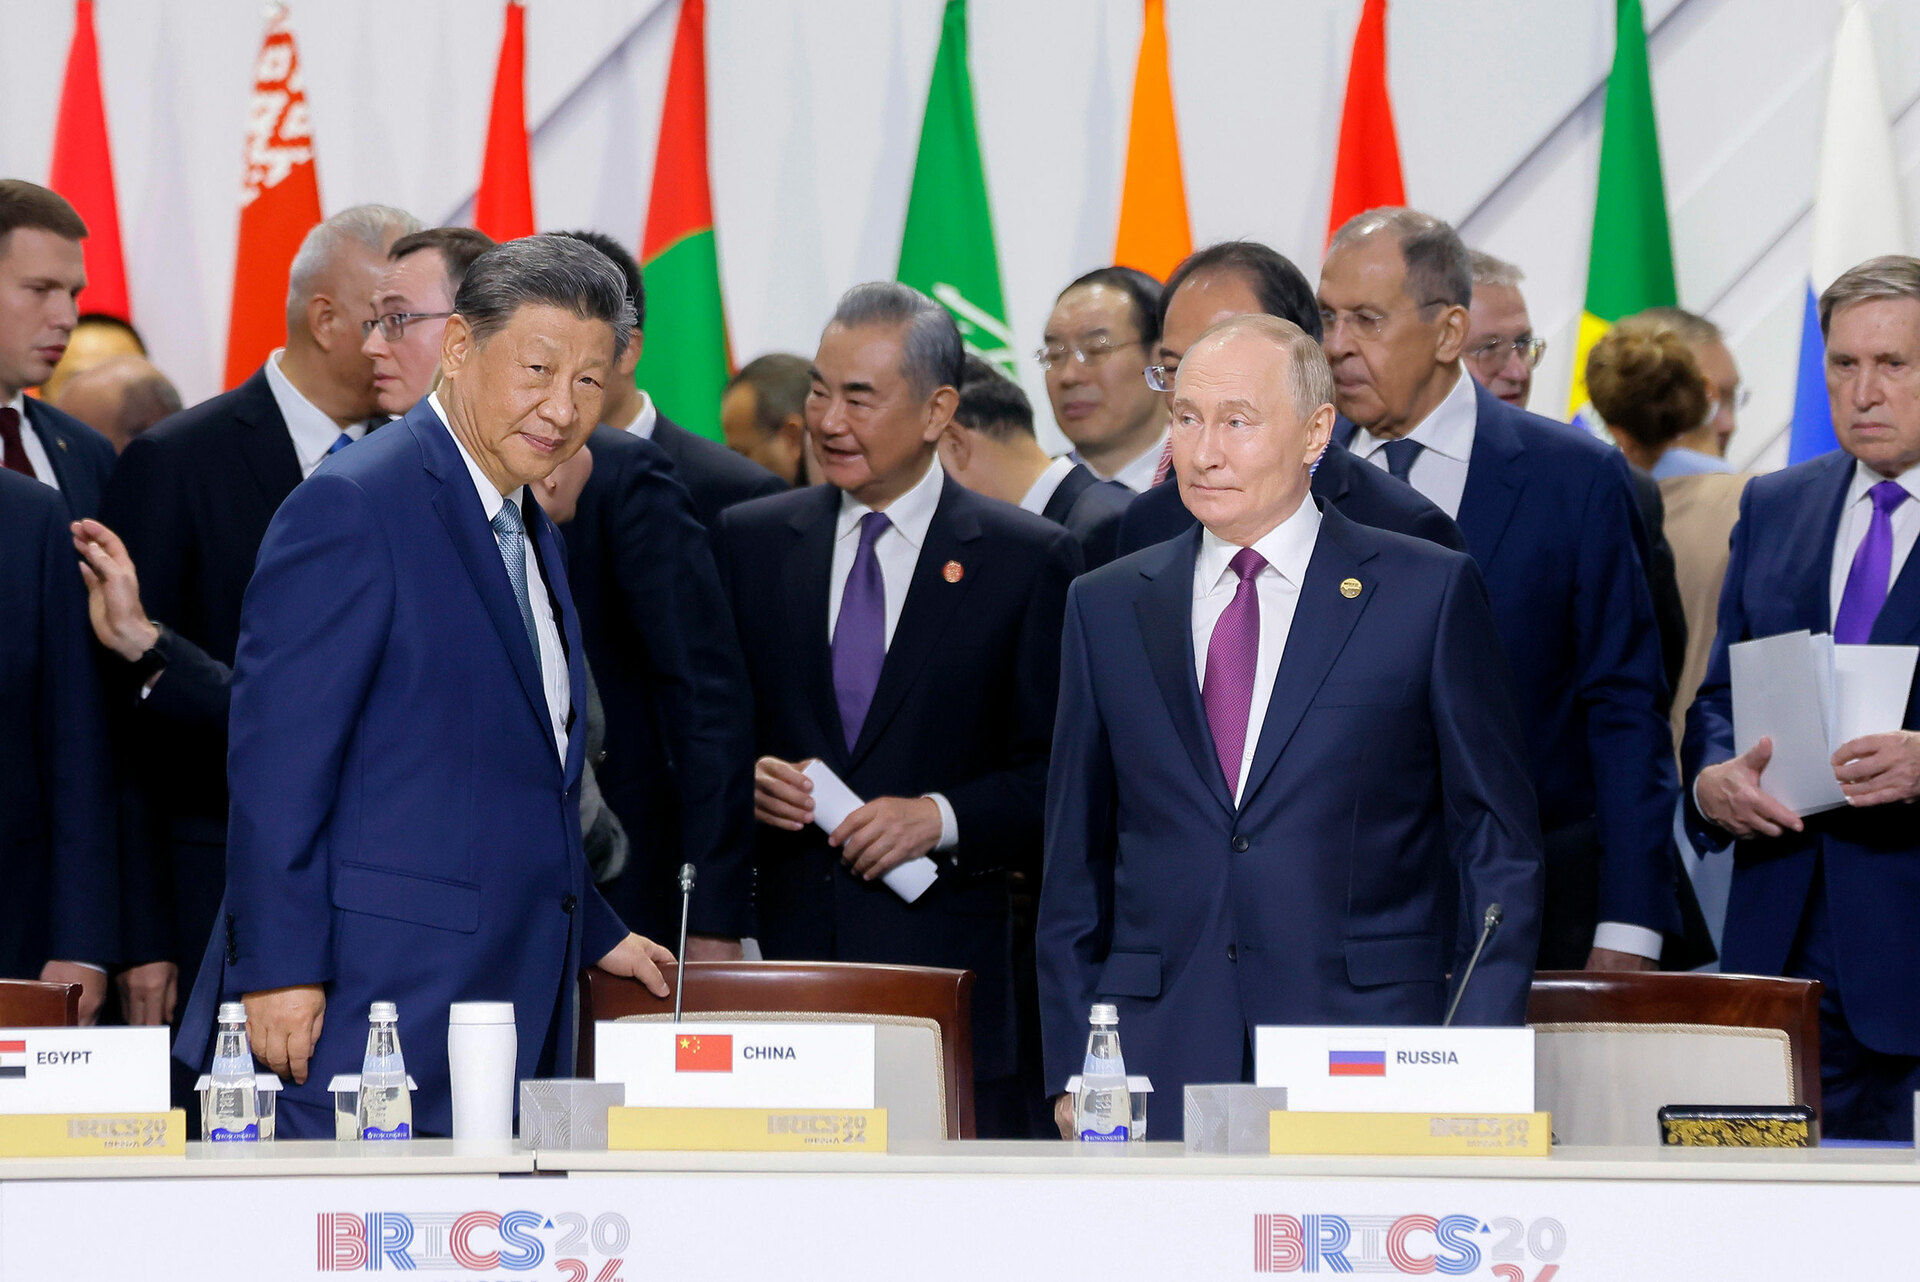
x: 833, y: 801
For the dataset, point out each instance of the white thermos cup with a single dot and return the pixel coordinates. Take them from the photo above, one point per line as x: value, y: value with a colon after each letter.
x: 481, y: 1049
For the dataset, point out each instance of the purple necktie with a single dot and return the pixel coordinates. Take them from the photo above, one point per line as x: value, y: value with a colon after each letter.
x: 860, y: 633
x: 1232, y: 652
x: 1867, y: 581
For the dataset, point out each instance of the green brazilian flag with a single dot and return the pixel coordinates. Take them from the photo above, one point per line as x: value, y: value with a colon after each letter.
x: 947, y: 251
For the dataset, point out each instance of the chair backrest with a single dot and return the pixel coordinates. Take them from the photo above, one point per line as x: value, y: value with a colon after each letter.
x: 902, y: 996
x: 29, y: 1003
x: 1614, y: 1046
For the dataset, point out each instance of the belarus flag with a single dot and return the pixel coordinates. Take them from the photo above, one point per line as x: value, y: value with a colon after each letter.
x: 13, y: 1059
x: 697, y: 1053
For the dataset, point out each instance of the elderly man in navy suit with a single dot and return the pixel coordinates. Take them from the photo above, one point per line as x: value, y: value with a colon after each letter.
x: 1287, y: 763
x: 406, y: 723
x: 1828, y: 546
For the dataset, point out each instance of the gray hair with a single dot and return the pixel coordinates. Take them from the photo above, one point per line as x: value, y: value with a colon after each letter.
x: 1690, y: 326
x: 1488, y: 270
x: 1889, y: 276
x: 931, y: 354
x: 548, y: 270
x: 370, y: 227
x: 1309, y: 377
x: 1439, y: 269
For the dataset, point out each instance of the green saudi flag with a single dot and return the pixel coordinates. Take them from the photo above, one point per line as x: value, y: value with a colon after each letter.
x: 947, y: 251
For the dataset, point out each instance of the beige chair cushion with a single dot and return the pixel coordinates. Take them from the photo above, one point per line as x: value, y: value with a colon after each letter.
x: 1606, y: 1083
x: 909, y: 1078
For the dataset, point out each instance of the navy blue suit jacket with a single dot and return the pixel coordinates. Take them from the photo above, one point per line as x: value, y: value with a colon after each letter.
x: 1778, y: 580
x: 1549, y: 516
x: 1092, y: 510
x: 57, y: 850
x: 82, y: 458
x: 1387, y: 805
x: 714, y: 475
x: 403, y: 828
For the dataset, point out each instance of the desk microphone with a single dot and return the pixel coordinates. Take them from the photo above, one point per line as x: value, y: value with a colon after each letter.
x: 686, y: 904
x: 1488, y: 924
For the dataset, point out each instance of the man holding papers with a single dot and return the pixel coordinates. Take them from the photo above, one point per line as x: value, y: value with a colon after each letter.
x: 902, y: 636
x: 1827, y: 546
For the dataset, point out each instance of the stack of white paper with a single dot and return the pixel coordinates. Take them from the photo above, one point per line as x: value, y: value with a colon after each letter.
x: 1810, y: 696
x: 833, y: 801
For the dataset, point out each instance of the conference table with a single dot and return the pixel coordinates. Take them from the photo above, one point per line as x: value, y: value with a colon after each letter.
x: 968, y: 1209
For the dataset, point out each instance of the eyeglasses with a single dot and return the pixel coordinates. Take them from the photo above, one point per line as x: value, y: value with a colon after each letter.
x: 1367, y: 324
x: 1741, y: 395
x: 1493, y: 353
x: 1088, y: 354
x: 393, y: 326
x: 1160, y: 377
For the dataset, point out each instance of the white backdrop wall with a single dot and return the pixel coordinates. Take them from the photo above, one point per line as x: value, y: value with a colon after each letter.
x: 815, y: 106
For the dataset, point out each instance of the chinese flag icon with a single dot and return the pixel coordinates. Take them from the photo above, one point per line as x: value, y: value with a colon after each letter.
x: 712, y: 1053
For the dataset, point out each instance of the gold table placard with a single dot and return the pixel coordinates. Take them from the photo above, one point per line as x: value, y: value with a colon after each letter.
x: 1412, y: 1134
x: 94, y: 1134
x: 748, y: 1130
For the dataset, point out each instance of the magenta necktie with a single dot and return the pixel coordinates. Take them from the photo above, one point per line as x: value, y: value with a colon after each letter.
x: 1234, y: 649
x: 1868, y: 579
x: 860, y: 633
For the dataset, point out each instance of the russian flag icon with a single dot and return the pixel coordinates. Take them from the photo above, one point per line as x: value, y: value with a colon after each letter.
x: 1357, y: 1062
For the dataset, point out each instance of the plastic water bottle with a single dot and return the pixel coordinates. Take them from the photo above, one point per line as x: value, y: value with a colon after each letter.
x: 1103, y: 1109
x: 232, y: 1107
x: 386, y: 1108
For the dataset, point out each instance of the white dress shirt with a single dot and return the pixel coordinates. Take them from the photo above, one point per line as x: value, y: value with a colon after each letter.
x: 897, y: 549
x: 553, y: 655
x: 30, y: 441
x: 1857, y: 515
x: 1440, y: 470
x: 1287, y: 548
x: 312, y: 428
x: 1138, y: 474
x: 1041, y: 492
x: 643, y: 422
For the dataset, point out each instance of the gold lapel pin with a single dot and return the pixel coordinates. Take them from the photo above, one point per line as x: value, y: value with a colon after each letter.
x: 952, y: 571
x: 61, y: 441
x: 1349, y: 588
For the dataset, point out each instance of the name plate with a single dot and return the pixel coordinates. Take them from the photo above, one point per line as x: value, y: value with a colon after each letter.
x: 94, y: 1135
x: 747, y: 1130
x: 1412, y: 1134
x: 83, y: 1070
x: 738, y: 1066
x: 1398, y: 1070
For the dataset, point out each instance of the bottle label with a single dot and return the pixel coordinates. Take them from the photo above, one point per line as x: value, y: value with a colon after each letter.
x: 228, y: 1135
x: 1118, y: 1133
x: 401, y: 1132
x: 1101, y: 1066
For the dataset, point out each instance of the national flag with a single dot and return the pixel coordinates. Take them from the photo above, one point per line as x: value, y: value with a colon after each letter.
x: 1856, y: 213
x: 279, y: 200
x: 1154, y: 235
x: 1357, y: 1061
x: 684, y: 364
x: 82, y: 169
x: 947, y: 250
x: 1630, y: 264
x: 503, y: 207
x: 13, y: 1059
x: 1366, y: 168
x: 703, y: 1053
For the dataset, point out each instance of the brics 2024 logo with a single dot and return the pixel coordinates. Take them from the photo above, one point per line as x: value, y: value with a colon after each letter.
x: 1504, y: 1248
x: 582, y: 1250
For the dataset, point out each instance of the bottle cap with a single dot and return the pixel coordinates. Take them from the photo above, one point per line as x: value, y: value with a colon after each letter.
x: 233, y: 1012
x: 383, y: 1013
x: 480, y: 1013
x: 1105, y: 1013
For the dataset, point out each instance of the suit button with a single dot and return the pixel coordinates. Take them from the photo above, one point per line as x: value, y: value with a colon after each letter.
x: 1240, y: 844
x: 1233, y: 954
x: 568, y: 904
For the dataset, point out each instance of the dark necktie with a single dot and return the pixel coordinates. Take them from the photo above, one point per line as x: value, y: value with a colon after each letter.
x: 340, y: 443
x: 860, y: 633
x: 1232, y: 653
x: 1400, y: 456
x: 15, y: 457
x: 1872, y: 571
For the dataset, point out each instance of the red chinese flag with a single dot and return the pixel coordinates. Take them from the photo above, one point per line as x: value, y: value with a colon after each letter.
x: 503, y: 207
x: 279, y: 201
x: 83, y: 169
x: 1366, y: 173
x: 703, y: 1053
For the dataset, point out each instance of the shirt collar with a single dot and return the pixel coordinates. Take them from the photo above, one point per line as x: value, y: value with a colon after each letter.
x: 1043, y: 489
x: 1446, y: 431
x: 312, y: 428
x: 1681, y: 461
x: 646, y: 420
x: 910, y: 514
x: 1137, y: 473
x: 1287, y: 548
x: 491, y: 500
x: 1865, y: 478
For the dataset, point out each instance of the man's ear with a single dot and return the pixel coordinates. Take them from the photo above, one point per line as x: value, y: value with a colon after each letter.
x: 457, y: 345
x: 1319, y: 433
x: 940, y: 408
x: 629, y: 360
x: 958, y: 442
x: 1454, y: 326
x: 322, y: 319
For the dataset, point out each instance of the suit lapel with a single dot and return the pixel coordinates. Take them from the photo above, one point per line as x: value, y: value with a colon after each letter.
x: 1493, y: 485
x: 53, y: 441
x: 552, y: 556
x: 804, y: 578
x: 1060, y: 503
x: 268, y: 446
x: 1808, y: 550
x: 1165, y: 611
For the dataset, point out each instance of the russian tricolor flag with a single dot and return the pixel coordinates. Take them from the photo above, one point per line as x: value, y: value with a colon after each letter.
x: 1856, y: 213
x: 1357, y: 1060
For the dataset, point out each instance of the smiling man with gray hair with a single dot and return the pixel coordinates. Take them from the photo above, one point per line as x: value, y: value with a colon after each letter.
x: 406, y: 716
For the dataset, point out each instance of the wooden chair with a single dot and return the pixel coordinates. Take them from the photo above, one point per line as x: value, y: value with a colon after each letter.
x: 28, y: 1003
x: 1662, y: 1028
x: 940, y: 1000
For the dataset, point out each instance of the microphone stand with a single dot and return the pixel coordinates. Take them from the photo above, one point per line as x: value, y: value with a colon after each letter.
x: 1489, y: 924
x: 686, y: 904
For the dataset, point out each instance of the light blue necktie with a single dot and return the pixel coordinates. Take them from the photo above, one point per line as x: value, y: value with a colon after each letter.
x: 513, y: 550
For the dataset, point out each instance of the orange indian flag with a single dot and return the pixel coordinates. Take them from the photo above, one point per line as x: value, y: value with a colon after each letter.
x: 1154, y: 234
x: 703, y: 1053
x: 503, y: 206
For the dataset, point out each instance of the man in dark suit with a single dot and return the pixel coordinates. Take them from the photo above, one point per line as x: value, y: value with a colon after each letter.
x: 1549, y: 516
x: 59, y: 917
x: 904, y: 632
x: 191, y: 498
x: 990, y: 448
x: 1236, y: 278
x: 1828, y: 546
x: 410, y: 620
x: 714, y: 475
x: 1287, y: 762
x: 42, y: 271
